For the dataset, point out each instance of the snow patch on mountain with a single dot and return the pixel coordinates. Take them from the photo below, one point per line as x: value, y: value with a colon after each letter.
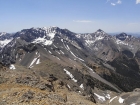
x: 78, y: 35
x: 93, y: 40
x: 121, y: 42
x: 71, y: 76
x: 3, y: 43
x: 58, y: 52
x: 73, y: 54
x: 101, y: 98
x: 89, y: 68
x: 133, y: 104
x: 99, y: 38
x: 61, y: 40
x: 112, y: 99
x: 12, y: 67
x: 38, y: 61
x: 82, y: 86
x: 62, y: 52
x: 32, y: 62
x: 68, y: 47
x: 55, y: 46
x: 2, y: 33
x: 121, y: 100
x: 58, y: 58
x: 80, y: 59
x: 50, y: 52
x: 108, y: 96
x: 89, y: 42
x: 48, y: 33
x: 49, y: 29
x: 43, y: 41
x: 68, y: 86
x: 51, y: 35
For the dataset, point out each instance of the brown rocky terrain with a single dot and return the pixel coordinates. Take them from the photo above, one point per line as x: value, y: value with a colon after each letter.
x: 27, y: 87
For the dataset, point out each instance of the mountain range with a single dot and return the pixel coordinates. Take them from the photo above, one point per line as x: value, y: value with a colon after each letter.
x: 93, y: 68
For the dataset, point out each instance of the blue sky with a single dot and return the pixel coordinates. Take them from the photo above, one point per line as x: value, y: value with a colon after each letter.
x: 76, y: 15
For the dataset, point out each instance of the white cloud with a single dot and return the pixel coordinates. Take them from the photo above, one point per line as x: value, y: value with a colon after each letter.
x: 113, y: 4
x: 137, y: 1
x: 82, y: 21
x: 119, y: 2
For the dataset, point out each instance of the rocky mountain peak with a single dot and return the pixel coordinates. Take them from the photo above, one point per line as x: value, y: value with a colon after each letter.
x: 51, y: 29
x: 32, y: 34
x: 100, y: 30
x: 122, y: 36
x: 100, y: 33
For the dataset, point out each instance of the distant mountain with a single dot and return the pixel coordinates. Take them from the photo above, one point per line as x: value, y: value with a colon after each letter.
x: 137, y: 34
x: 90, y: 64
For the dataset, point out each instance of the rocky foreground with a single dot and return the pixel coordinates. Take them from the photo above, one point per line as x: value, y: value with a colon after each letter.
x: 30, y: 88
